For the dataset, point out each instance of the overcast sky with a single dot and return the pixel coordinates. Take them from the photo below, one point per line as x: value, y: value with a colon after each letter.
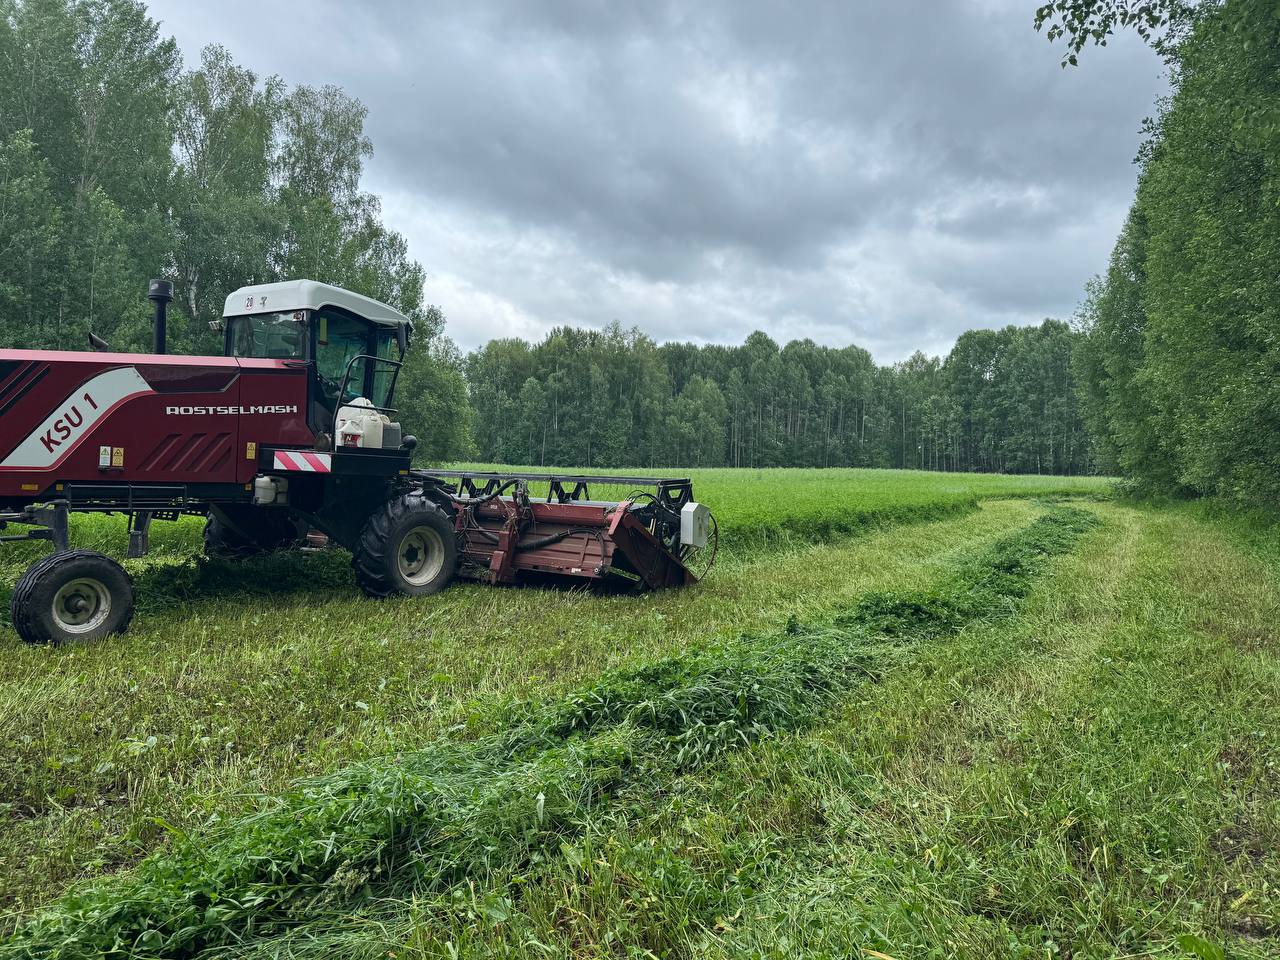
x: 883, y: 173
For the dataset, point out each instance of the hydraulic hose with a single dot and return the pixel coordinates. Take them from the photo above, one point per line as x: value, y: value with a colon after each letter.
x: 534, y: 543
x: 477, y: 501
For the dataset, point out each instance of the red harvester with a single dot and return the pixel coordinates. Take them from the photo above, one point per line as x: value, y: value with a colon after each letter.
x: 292, y: 430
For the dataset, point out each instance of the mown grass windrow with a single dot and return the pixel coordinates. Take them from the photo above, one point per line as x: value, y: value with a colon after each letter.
x: 460, y: 809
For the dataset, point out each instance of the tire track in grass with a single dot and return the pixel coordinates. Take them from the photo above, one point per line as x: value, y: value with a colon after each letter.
x: 456, y: 811
x: 894, y: 798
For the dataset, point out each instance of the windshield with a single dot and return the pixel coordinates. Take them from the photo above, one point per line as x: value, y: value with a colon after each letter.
x: 269, y: 336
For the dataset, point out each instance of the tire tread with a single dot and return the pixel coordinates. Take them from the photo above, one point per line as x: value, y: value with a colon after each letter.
x: 22, y: 609
x: 369, y: 557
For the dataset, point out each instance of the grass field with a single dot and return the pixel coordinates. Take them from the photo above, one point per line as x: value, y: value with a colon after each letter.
x: 769, y: 508
x: 981, y: 725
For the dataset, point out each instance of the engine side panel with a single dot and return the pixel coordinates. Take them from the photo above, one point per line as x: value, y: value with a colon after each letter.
x: 135, y: 419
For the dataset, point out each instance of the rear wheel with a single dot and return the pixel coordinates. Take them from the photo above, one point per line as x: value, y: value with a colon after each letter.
x: 407, y: 547
x: 73, y: 595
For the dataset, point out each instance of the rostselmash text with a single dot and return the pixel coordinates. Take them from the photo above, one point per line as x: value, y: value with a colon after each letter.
x: 200, y: 411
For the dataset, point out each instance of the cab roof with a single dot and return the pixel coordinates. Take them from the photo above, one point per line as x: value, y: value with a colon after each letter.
x: 309, y: 295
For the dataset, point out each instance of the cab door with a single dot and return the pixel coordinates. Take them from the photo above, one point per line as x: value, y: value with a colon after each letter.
x: 342, y: 343
x: 272, y: 410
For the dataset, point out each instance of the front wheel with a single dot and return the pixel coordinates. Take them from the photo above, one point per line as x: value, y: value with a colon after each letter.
x: 407, y: 547
x: 73, y: 595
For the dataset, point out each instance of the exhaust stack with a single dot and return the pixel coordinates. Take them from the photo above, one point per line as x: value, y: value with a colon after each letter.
x: 161, y: 294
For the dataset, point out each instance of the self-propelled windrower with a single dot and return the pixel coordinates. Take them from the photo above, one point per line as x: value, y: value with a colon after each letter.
x: 291, y: 431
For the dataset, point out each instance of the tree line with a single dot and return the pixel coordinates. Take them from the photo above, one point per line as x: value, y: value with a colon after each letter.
x: 1001, y: 400
x: 118, y: 164
x: 1180, y: 362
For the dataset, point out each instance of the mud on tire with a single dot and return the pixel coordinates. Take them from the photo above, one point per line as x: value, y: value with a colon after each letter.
x: 74, y: 595
x: 407, y: 547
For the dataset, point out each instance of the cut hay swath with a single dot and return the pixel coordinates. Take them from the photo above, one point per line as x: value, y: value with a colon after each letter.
x: 457, y: 810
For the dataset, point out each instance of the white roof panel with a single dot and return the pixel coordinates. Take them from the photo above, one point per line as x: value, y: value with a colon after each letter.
x: 308, y: 295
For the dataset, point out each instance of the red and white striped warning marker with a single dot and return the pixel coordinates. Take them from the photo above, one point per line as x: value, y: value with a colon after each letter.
x: 303, y: 460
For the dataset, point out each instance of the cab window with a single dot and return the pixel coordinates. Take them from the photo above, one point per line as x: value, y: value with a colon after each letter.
x: 384, y: 374
x: 339, y: 338
x: 269, y: 336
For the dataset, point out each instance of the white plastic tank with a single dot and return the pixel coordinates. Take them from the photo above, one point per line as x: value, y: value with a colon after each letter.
x: 358, y: 424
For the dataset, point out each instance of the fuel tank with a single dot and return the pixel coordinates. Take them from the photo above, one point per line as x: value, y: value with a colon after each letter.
x: 125, y: 418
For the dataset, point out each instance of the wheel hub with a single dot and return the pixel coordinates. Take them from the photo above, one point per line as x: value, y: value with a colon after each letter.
x: 81, y: 606
x: 421, y: 555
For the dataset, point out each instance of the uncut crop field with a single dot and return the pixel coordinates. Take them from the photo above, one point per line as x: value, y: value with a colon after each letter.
x: 759, y: 507
x: 875, y: 726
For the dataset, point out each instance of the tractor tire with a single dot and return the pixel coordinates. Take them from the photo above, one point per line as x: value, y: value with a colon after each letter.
x: 407, y: 547
x: 74, y: 595
x: 274, y: 531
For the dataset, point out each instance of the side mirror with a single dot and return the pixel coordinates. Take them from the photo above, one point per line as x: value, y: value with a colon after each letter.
x: 217, y: 326
x: 402, y: 338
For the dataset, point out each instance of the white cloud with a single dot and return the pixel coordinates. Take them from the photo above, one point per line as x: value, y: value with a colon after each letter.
x: 888, y: 175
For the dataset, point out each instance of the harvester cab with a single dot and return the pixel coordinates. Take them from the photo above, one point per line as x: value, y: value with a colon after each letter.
x: 351, y: 346
x: 288, y: 433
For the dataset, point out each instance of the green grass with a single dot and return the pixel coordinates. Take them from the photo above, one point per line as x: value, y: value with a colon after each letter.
x: 1015, y: 752
x: 1095, y: 777
x: 454, y: 811
x: 236, y: 679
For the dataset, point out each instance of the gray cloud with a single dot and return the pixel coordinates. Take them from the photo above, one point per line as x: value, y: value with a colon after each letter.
x: 887, y: 173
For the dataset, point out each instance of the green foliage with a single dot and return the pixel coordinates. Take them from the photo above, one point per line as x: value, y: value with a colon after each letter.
x: 223, y: 222
x: 117, y: 166
x: 85, y: 98
x: 431, y: 394
x: 456, y: 811
x: 1095, y: 21
x: 1002, y: 401
x: 1181, y: 359
x: 29, y: 224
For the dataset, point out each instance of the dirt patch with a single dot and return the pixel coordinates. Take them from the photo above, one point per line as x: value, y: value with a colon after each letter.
x: 1240, y: 840
x: 1237, y: 761
x: 1248, y: 837
x: 1253, y: 928
x: 1251, y: 636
